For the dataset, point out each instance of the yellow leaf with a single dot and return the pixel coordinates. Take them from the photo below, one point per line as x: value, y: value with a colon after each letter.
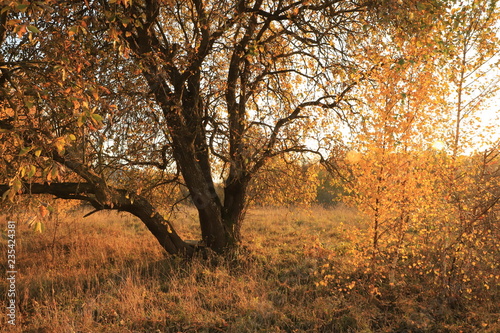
x: 39, y: 227
x: 353, y: 157
x: 60, y: 143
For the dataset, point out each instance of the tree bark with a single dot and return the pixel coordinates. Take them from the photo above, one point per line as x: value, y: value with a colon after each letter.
x: 182, y: 108
x: 235, y: 208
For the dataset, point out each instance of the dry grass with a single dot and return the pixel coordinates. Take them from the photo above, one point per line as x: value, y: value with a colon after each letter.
x: 105, y: 273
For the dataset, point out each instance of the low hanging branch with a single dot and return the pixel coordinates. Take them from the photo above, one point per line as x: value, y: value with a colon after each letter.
x: 120, y: 200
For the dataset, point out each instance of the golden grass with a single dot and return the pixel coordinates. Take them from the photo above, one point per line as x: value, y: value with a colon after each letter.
x: 106, y: 273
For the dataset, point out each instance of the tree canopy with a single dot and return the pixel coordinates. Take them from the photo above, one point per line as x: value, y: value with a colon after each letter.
x: 107, y: 101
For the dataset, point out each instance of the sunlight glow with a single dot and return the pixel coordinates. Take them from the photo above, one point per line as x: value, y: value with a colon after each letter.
x: 438, y: 145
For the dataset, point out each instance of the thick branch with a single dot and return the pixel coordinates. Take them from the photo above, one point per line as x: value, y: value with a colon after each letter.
x: 61, y: 190
x: 119, y: 200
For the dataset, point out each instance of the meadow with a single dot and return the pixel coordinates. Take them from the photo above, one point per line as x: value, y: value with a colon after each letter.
x: 299, y: 270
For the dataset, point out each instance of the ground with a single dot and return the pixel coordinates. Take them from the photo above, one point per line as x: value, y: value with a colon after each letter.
x: 106, y: 273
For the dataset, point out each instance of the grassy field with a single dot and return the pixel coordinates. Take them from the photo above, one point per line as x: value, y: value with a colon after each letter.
x: 106, y: 273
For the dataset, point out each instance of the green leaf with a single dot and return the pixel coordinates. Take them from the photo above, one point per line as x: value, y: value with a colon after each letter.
x: 25, y: 150
x: 22, y: 7
x: 54, y: 173
x: 81, y: 120
x: 34, y: 29
x: 32, y: 171
x: 420, y: 6
x: 29, y: 104
x: 45, y: 172
x: 16, y: 185
x: 126, y: 21
x: 96, y: 117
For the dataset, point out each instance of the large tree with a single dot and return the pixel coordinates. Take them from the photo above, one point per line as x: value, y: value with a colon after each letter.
x: 107, y: 100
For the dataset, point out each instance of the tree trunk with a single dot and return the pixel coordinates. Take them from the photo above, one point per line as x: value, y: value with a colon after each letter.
x: 159, y: 227
x: 176, y: 89
x: 234, y: 209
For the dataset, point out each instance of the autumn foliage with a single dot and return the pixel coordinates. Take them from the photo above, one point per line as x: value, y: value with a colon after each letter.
x: 180, y: 111
x: 422, y: 168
